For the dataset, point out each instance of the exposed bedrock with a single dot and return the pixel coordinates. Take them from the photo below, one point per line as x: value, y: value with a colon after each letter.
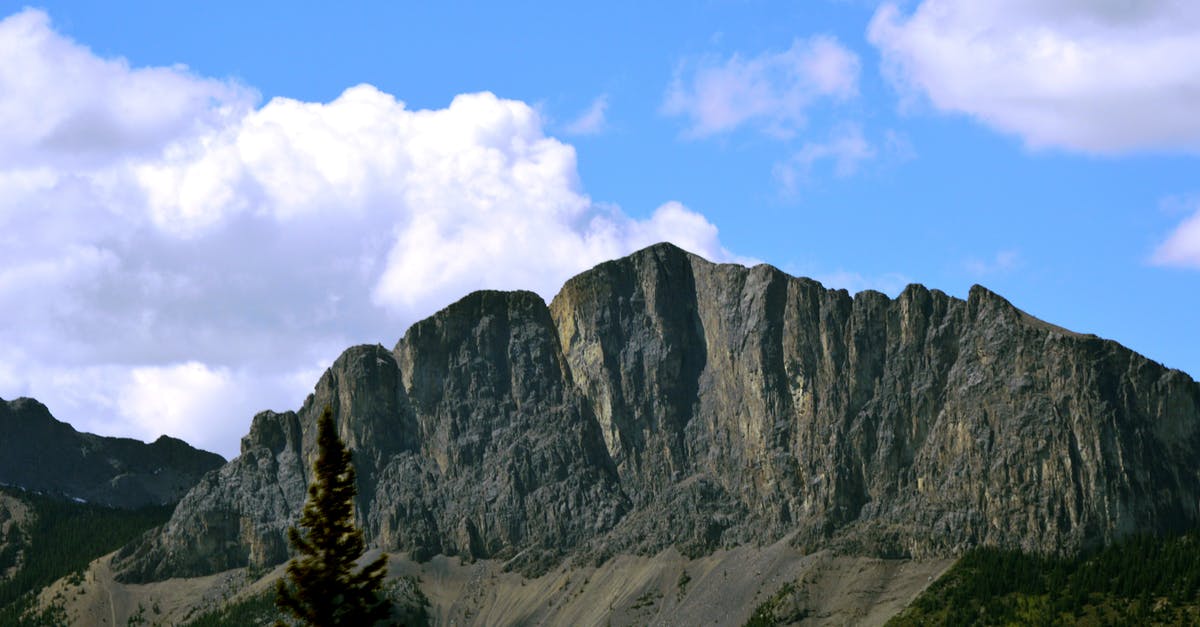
x: 663, y: 400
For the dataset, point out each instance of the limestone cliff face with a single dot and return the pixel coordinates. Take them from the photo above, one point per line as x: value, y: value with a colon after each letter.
x: 38, y: 452
x: 508, y: 459
x: 664, y: 400
x: 469, y: 438
x: 920, y: 425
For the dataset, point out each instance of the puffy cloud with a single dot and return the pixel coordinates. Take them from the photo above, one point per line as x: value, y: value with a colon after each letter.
x: 592, y: 120
x: 1097, y: 76
x: 173, y: 256
x: 774, y: 90
x: 173, y: 399
x: 1182, y: 247
x: 92, y: 110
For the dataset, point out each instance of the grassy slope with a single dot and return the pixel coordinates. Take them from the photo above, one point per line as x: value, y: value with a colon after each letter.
x: 62, y: 539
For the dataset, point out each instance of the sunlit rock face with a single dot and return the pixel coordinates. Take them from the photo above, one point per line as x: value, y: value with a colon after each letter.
x: 663, y: 400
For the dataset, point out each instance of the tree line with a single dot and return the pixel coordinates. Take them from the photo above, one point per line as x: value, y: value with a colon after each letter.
x: 61, y: 538
x: 1140, y: 580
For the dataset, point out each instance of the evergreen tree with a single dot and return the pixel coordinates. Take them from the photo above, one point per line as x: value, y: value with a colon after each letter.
x: 321, y: 587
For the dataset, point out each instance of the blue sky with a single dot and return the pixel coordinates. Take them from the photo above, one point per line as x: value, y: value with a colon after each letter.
x: 203, y: 203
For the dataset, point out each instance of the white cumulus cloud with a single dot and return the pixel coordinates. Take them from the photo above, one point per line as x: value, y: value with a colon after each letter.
x: 1097, y: 76
x: 92, y: 110
x: 169, y: 398
x: 174, y: 255
x: 773, y: 90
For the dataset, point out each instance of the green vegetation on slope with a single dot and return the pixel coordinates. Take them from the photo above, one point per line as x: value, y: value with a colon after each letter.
x: 409, y: 607
x: 776, y: 610
x: 63, y: 538
x: 256, y: 610
x: 1142, y: 581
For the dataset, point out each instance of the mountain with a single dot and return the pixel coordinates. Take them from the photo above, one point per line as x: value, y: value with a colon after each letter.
x: 661, y: 400
x: 41, y: 454
x: 45, y: 538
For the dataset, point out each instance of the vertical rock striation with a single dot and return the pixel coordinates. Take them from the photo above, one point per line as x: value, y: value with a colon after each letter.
x: 664, y: 400
x: 469, y: 439
x: 916, y: 426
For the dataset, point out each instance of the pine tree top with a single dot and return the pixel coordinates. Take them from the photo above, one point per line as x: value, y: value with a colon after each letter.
x: 321, y: 586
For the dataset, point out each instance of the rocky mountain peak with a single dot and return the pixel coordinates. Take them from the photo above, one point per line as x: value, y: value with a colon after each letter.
x: 663, y: 400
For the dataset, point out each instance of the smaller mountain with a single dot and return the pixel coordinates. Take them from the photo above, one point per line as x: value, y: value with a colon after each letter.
x: 41, y: 454
x: 44, y: 538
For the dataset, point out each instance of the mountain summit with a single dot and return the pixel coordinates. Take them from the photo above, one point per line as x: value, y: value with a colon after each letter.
x: 662, y: 400
x: 42, y: 454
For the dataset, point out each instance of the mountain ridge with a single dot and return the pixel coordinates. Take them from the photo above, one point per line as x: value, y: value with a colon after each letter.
x: 41, y: 453
x: 662, y: 400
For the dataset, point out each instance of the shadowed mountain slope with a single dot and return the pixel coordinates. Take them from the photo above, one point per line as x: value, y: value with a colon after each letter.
x: 41, y: 454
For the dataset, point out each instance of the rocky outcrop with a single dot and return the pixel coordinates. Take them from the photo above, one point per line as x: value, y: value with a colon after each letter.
x: 42, y: 454
x: 662, y: 400
x: 469, y: 439
x: 915, y: 426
